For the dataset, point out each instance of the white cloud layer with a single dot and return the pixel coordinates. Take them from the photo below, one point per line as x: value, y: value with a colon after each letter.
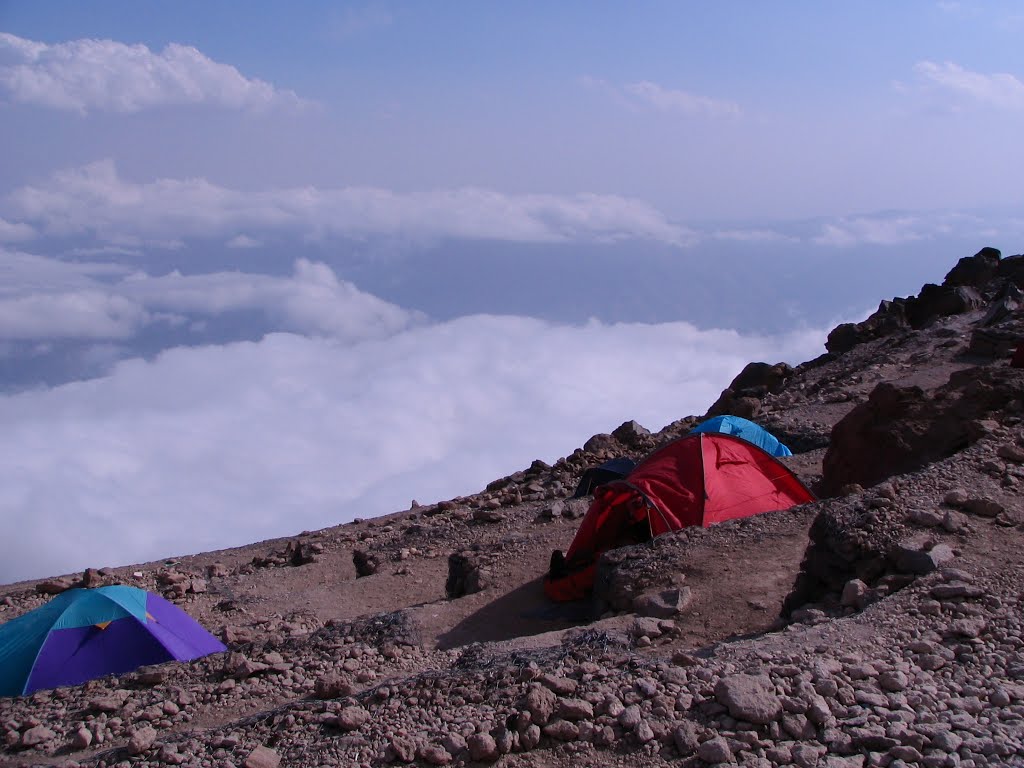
x: 896, y: 228
x: 105, y: 75
x: 1001, y: 89
x: 14, y: 232
x: 94, y: 199
x: 209, y: 447
x: 45, y: 299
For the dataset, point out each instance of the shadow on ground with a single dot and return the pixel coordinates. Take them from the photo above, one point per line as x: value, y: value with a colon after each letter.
x: 522, y: 612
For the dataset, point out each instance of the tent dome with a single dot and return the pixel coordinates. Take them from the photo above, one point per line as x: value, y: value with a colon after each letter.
x: 697, y: 480
x: 83, y: 634
x: 746, y: 430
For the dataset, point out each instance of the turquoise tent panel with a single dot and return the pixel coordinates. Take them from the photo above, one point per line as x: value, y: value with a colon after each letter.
x: 84, y: 634
x: 745, y: 430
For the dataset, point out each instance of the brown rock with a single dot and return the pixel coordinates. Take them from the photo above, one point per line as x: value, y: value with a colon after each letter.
x: 36, y: 735
x: 482, y: 747
x: 54, y: 586
x: 402, y: 750
x: 749, y: 697
x: 435, y: 755
x: 351, y: 718
x: 141, y: 741
x: 262, y: 757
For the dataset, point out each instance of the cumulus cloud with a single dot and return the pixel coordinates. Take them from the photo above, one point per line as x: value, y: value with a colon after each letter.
x: 753, y: 236
x: 645, y: 93
x: 14, y: 232
x: 872, y: 231
x: 1000, y: 90
x: 671, y: 100
x: 210, y: 447
x: 105, y: 75
x: 243, y: 241
x: 44, y: 298
x: 94, y: 199
x: 896, y: 228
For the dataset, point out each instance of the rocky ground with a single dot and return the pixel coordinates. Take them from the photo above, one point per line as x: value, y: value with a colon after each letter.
x: 880, y: 626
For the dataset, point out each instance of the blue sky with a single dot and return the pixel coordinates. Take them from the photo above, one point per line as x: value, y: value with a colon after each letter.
x: 244, y: 245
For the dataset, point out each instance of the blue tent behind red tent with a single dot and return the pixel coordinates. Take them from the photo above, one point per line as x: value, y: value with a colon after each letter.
x: 700, y: 479
x: 748, y: 430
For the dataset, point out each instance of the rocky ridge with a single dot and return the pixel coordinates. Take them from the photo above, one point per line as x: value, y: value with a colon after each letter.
x: 881, y: 626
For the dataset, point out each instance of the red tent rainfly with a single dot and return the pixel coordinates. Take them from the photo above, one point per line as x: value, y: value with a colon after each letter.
x: 699, y: 479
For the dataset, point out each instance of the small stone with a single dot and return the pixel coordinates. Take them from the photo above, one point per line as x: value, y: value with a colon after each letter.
x: 575, y: 709
x: 402, y: 750
x: 663, y: 604
x: 81, y: 739
x: 540, y: 703
x: 1011, y: 452
x: 645, y: 627
x: 853, y: 593
x: 926, y: 517
x: 435, y: 754
x: 715, y: 750
x: 482, y: 747
x: 892, y: 681
x: 984, y: 507
x: 262, y: 757
x: 104, y: 704
x: 686, y: 738
x: 562, y: 730
x: 141, y: 741
x: 351, y: 718
x: 915, y: 556
x: 530, y: 737
x: 36, y: 735
x: 956, y: 497
x: 749, y: 697
x: 630, y: 717
x: 54, y: 586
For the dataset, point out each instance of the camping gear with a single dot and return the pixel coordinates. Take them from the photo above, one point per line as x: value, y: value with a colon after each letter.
x: 699, y: 479
x: 613, y: 469
x: 748, y: 430
x: 83, y: 634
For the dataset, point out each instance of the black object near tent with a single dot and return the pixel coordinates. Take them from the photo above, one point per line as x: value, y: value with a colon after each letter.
x: 613, y: 469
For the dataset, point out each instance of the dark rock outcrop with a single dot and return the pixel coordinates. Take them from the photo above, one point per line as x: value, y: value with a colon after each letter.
x: 744, y: 394
x: 901, y: 429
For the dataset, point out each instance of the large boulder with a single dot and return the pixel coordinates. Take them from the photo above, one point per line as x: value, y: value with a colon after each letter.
x: 936, y: 301
x: 974, y: 270
x: 889, y: 318
x: 901, y: 429
x: 744, y: 394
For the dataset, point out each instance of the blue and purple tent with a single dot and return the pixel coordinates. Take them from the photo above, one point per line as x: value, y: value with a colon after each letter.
x: 83, y: 634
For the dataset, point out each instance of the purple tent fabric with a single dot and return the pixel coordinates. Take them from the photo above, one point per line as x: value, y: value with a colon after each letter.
x: 72, y: 656
x: 84, y: 634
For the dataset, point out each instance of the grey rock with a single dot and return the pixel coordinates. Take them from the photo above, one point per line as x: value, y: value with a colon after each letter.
x: 36, y: 735
x: 482, y: 747
x: 351, y: 718
x: 715, y: 750
x: 663, y: 604
x: 749, y: 697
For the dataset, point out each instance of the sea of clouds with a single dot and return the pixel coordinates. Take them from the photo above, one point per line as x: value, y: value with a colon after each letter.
x: 352, y: 407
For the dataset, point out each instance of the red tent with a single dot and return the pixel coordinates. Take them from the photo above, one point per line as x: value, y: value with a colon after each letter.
x: 699, y: 479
